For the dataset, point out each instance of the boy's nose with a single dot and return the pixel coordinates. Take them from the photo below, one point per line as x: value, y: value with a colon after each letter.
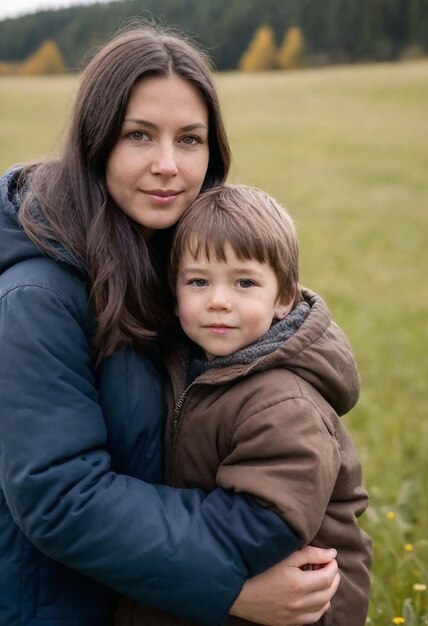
x: 219, y: 299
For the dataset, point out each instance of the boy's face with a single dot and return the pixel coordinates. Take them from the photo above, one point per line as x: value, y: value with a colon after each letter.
x: 225, y: 306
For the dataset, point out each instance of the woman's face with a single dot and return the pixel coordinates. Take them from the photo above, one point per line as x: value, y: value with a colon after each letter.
x: 157, y: 167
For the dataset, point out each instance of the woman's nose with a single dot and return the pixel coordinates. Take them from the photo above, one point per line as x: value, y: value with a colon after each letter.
x: 164, y: 160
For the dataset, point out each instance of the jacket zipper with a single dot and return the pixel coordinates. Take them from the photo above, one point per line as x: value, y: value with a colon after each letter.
x: 175, y: 427
x: 174, y: 430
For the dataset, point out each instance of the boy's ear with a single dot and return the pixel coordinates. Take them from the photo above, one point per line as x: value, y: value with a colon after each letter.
x: 175, y: 307
x: 283, y: 306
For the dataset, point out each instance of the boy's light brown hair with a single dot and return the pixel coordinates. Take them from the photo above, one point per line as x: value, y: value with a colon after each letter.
x: 254, y: 224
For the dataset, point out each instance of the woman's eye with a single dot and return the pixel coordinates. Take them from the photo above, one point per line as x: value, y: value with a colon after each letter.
x: 138, y: 135
x: 245, y: 283
x: 198, y: 282
x: 190, y: 140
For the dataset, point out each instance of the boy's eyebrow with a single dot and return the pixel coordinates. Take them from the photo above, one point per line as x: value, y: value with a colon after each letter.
x: 248, y: 271
x: 192, y: 270
x: 187, y: 128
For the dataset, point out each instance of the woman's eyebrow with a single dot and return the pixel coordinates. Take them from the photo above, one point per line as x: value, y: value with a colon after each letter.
x: 187, y: 128
x: 194, y: 126
x: 135, y: 120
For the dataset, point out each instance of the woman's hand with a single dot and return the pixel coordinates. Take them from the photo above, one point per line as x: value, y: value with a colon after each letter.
x: 286, y: 595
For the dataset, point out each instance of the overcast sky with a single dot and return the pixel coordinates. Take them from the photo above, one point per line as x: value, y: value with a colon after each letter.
x: 13, y: 8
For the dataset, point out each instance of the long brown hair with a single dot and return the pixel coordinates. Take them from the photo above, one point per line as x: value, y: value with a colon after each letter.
x: 67, y: 199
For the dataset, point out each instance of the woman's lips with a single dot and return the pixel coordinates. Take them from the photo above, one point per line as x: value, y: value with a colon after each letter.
x: 161, y: 196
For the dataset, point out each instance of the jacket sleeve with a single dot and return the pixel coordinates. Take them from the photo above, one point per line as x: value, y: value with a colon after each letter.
x: 285, y: 455
x: 184, y: 551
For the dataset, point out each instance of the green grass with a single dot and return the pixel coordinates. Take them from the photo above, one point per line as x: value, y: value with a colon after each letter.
x: 346, y: 150
x: 33, y: 116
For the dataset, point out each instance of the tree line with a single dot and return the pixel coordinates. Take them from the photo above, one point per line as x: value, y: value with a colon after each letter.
x: 333, y: 31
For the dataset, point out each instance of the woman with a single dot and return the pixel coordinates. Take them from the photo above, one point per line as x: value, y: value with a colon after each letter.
x: 83, y: 240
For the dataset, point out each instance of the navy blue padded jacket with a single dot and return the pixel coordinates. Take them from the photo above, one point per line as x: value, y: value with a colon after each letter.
x: 83, y: 513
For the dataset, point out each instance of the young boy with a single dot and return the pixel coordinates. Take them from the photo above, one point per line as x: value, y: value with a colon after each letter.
x: 258, y: 382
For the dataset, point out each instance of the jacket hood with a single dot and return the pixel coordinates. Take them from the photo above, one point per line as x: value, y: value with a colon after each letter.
x: 15, y: 246
x: 318, y: 352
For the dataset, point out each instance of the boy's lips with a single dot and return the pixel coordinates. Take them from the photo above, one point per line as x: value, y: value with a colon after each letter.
x: 218, y: 329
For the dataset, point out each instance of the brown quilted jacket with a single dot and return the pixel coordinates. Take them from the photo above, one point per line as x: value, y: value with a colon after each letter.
x: 271, y: 429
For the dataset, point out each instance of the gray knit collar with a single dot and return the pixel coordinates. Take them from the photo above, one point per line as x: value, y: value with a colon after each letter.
x: 276, y: 335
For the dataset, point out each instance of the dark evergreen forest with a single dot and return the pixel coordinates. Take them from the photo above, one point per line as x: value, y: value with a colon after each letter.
x: 335, y: 31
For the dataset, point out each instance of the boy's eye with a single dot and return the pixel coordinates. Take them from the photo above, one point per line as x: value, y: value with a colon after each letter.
x: 198, y: 282
x: 245, y: 283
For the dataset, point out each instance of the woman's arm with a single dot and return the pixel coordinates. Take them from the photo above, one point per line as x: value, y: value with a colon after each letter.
x: 281, y: 592
x: 156, y: 544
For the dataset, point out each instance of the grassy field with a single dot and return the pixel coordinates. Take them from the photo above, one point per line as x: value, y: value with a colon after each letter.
x: 346, y: 150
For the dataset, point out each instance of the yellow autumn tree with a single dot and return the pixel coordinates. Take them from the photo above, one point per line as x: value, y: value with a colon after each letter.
x: 261, y: 53
x: 7, y: 69
x: 291, y: 53
x: 46, y: 60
